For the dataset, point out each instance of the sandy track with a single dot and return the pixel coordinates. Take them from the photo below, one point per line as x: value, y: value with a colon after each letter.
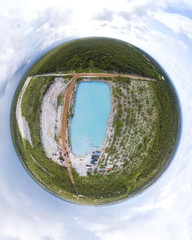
x: 63, y: 137
x: 114, y: 75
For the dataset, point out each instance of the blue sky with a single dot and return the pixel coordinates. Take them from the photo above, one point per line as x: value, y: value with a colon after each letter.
x: 164, y: 30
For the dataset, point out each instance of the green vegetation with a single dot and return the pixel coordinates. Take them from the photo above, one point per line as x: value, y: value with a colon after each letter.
x: 134, y: 121
x: 145, y: 130
x: 31, y: 104
x: 60, y: 99
x: 96, y: 55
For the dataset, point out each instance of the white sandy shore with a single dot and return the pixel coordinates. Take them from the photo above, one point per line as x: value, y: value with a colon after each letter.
x: 50, y: 120
x: 79, y: 163
x: 22, y: 123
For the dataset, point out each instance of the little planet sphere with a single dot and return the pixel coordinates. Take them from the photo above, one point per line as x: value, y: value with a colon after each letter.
x: 95, y: 121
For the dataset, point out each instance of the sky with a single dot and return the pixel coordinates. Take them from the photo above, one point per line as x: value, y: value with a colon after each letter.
x: 163, y: 29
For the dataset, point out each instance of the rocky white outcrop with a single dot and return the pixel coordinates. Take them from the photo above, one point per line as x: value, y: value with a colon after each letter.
x: 50, y: 119
x: 21, y: 121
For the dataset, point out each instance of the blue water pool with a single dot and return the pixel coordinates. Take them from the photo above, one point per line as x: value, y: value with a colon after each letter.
x: 92, y: 110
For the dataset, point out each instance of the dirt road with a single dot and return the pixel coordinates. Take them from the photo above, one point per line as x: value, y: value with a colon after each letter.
x: 113, y: 75
x: 63, y: 139
x: 63, y: 142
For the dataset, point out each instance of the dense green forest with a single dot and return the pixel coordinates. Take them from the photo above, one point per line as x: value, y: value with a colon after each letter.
x: 96, y: 53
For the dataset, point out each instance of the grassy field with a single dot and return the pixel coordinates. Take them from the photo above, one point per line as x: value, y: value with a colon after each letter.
x: 146, y: 124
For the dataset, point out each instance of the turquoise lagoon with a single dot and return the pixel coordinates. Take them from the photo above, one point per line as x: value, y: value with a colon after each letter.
x: 92, y: 110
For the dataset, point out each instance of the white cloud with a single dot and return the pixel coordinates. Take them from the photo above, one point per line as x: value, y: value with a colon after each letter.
x: 105, y: 15
x: 176, y: 22
x: 26, y: 38
x: 180, y: 4
x: 19, y: 220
